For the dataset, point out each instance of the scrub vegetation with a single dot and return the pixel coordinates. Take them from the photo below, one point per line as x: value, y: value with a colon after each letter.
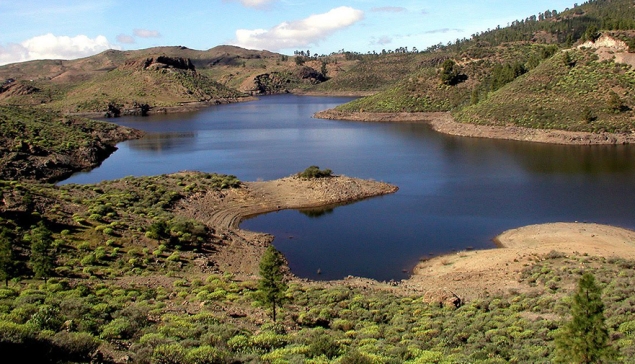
x: 117, y: 271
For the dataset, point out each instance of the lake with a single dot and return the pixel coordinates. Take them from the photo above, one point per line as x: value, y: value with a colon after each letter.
x: 455, y: 193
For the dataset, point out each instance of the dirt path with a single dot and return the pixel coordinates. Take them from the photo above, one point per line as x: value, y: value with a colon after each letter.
x: 443, y: 122
x: 472, y: 274
x: 224, y: 210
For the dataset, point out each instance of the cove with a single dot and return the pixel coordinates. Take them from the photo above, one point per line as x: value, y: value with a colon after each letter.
x: 455, y: 193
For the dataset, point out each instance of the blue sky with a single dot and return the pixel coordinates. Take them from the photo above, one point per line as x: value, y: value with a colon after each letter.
x: 37, y: 29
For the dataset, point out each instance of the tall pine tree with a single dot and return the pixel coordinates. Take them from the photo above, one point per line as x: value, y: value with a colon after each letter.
x: 271, y: 286
x: 585, y: 338
x: 42, y: 260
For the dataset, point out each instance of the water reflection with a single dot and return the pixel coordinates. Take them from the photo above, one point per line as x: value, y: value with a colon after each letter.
x: 317, y: 212
x: 158, y: 142
x: 575, y: 160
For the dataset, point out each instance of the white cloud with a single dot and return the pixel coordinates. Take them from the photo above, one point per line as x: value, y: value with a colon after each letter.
x: 125, y: 39
x: 299, y: 33
x: 50, y: 46
x: 145, y: 33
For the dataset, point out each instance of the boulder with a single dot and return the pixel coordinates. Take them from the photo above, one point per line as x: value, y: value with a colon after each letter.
x: 442, y: 297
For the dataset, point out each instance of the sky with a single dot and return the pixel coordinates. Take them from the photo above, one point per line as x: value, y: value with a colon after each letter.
x: 65, y: 29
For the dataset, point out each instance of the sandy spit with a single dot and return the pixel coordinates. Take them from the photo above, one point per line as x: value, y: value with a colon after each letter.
x: 224, y: 210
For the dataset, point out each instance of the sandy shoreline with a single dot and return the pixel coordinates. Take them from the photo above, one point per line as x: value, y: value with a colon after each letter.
x: 443, y: 122
x: 472, y: 274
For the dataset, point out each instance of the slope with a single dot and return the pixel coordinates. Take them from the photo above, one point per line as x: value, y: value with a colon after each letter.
x: 424, y: 90
x: 574, y: 90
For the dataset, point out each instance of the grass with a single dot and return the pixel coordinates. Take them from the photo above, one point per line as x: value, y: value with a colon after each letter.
x: 127, y: 87
x: 371, y: 73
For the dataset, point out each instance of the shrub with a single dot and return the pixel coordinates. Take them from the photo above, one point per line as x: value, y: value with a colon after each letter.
x: 315, y: 172
x: 119, y: 328
x: 238, y: 343
x: 206, y: 355
x: 75, y: 346
x: 169, y: 354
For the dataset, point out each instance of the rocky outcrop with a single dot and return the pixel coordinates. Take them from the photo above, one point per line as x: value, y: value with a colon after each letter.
x: 283, y: 82
x: 13, y: 88
x: 311, y: 75
x: 161, y: 63
x: 606, y: 41
x: 442, y: 297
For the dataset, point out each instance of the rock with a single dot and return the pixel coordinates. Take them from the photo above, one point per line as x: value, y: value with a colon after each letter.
x: 161, y: 63
x: 442, y: 297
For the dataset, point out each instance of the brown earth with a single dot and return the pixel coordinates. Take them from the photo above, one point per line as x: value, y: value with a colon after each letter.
x: 443, y: 122
x: 224, y: 210
x: 473, y: 274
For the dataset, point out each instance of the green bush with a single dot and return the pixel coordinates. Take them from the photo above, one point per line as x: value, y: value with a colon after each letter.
x: 75, y: 346
x: 119, y: 328
x: 169, y: 354
x: 206, y: 355
x: 315, y: 172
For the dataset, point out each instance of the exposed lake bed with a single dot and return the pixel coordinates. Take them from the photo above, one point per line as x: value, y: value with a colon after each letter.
x: 455, y: 193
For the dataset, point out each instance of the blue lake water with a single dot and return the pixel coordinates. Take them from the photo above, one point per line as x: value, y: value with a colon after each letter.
x: 455, y: 193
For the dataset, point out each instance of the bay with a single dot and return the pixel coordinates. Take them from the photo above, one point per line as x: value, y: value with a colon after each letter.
x: 455, y: 193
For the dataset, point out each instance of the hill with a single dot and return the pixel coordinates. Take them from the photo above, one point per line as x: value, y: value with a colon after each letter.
x: 517, y: 75
x: 574, y: 90
x: 171, y: 77
x: 368, y: 73
x: 45, y: 146
x: 423, y: 90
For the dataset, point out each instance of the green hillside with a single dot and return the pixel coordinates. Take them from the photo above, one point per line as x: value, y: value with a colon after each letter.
x: 574, y: 90
x: 371, y: 72
x: 127, y: 87
x: 42, y: 145
x: 477, y: 68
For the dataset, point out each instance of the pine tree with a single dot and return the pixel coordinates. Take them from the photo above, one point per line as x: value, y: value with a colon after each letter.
x: 271, y: 286
x: 42, y: 259
x: 584, y: 339
x: 449, y: 73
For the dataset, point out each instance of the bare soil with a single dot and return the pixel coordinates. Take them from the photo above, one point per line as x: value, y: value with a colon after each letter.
x: 473, y: 274
x: 443, y: 122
